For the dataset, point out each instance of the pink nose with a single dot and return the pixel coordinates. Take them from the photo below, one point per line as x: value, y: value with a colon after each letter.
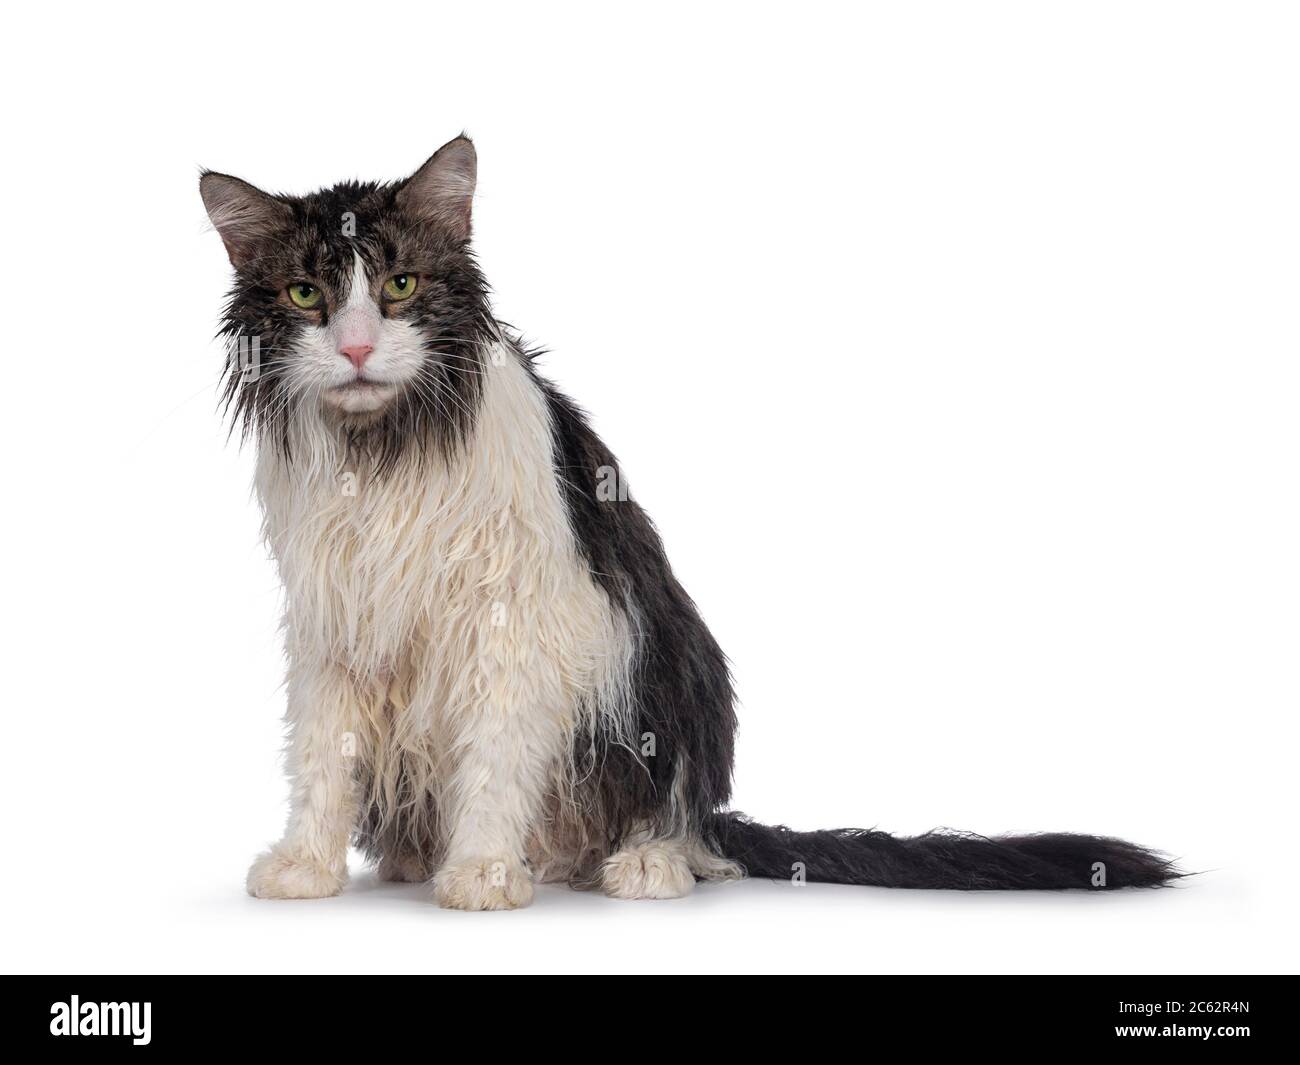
x: 358, y: 353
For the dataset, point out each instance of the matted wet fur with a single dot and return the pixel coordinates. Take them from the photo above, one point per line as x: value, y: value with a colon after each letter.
x: 494, y: 677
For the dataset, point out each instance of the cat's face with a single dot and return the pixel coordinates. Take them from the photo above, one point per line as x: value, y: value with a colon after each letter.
x: 359, y: 304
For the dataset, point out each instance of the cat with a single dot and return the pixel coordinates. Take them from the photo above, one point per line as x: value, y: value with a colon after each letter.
x: 494, y: 678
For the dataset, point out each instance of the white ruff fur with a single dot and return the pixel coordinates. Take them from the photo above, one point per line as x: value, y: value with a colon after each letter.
x: 441, y: 628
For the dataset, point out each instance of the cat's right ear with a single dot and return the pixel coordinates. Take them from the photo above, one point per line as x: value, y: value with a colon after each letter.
x: 243, y: 214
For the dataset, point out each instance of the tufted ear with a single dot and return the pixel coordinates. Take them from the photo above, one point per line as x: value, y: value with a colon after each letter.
x: 443, y: 189
x: 243, y: 214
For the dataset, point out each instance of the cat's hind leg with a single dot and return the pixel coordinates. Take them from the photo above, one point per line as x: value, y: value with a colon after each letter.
x: 404, y: 845
x: 662, y: 869
x: 406, y: 865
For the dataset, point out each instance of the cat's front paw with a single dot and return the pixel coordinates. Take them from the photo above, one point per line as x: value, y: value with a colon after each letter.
x: 485, y: 884
x: 282, y: 874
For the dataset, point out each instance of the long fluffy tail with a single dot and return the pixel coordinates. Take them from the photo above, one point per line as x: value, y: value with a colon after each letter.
x: 939, y: 859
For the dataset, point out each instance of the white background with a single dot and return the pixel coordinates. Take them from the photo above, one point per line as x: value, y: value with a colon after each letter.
x: 951, y: 346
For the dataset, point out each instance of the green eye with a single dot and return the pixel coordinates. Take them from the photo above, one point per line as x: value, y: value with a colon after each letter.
x: 304, y: 295
x: 399, y: 286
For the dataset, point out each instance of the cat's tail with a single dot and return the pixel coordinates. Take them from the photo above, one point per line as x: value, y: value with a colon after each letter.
x: 939, y: 859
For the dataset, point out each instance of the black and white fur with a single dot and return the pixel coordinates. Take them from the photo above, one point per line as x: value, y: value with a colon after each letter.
x: 494, y: 677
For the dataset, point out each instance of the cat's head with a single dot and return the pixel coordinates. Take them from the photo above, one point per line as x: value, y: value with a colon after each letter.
x: 359, y: 305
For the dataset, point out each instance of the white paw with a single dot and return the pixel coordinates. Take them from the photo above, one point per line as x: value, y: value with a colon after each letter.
x: 281, y: 874
x: 485, y: 884
x: 647, y: 871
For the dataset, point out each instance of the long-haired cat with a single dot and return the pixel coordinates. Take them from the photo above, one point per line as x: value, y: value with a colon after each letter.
x: 494, y: 677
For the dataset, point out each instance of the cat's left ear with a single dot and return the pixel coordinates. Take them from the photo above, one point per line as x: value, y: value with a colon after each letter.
x: 442, y: 190
x: 243, y: 214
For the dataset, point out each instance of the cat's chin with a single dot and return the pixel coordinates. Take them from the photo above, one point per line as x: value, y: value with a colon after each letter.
x: 360, y: 402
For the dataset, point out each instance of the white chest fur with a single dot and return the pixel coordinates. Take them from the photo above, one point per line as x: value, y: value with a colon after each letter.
x: 460, y: 577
